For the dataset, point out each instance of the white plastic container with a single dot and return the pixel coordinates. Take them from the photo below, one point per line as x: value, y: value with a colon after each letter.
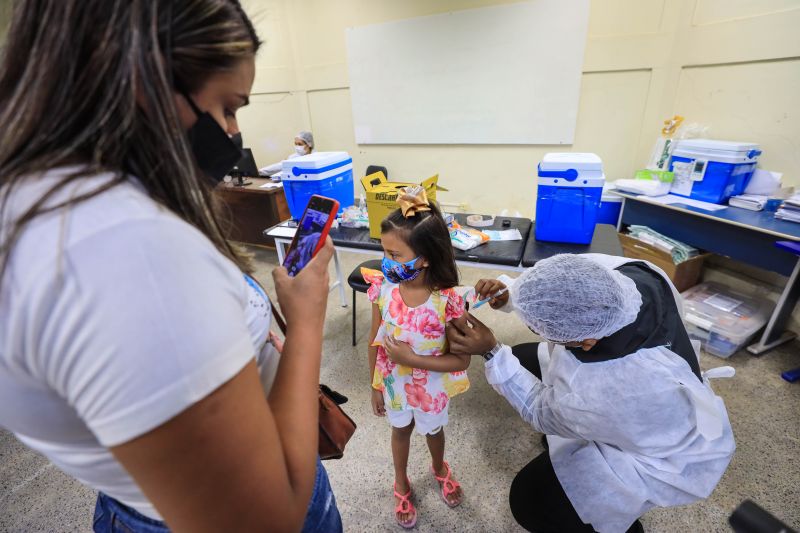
x: 722, y: 319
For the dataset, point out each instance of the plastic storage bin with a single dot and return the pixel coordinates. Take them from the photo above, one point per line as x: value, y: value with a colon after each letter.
x: 568, y: 197
x: 610, y: 207
x: 722, y: 319
x: 325, y: 173
x: 712, y: 171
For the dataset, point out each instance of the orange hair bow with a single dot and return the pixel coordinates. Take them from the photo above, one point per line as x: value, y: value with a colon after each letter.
x: 413, y: 200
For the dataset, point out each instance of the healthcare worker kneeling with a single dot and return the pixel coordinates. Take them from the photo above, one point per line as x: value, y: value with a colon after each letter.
x: 630, y: 420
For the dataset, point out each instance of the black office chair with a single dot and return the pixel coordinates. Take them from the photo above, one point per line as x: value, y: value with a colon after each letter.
x: 372, y: 169
x: 357, y: 283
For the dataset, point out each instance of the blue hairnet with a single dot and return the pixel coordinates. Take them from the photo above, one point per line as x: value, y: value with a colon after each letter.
x: 569, y: 298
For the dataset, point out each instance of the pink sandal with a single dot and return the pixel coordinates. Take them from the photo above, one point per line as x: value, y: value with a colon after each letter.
x: 448, y: 486
x: 405, y: 506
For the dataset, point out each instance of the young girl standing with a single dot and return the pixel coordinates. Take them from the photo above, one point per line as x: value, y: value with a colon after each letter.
x: 413, y: 376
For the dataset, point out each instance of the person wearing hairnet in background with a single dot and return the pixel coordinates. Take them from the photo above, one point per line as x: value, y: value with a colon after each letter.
x: 630, y: 420
x: 303, y: 145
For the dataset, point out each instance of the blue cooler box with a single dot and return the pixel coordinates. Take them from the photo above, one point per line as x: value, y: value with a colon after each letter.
x: 568, y: 197
x: 712, y: 171
x: 324, y: 173
x: 610, y: 207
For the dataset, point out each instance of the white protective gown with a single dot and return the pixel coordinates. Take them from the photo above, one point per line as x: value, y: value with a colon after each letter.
x: 275, y: 168
x: 625, y: 435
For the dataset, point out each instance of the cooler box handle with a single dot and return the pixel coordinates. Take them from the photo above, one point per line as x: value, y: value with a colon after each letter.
x: 569, y: 174
x: 298, y: 171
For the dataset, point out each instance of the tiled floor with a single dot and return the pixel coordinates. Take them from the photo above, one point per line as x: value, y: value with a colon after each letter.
x: 487, y: 444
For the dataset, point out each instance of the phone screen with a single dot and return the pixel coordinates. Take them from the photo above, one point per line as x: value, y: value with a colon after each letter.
x: 309, y: 233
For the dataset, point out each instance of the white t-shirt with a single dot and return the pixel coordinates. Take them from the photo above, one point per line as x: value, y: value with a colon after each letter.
x: 115, y: 316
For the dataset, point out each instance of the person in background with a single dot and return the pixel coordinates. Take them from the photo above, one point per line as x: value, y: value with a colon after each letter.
x: 303, y: 145
x: 131, y: 344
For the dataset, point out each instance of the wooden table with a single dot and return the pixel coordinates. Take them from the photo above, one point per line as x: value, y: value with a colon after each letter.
x: 252, y: 209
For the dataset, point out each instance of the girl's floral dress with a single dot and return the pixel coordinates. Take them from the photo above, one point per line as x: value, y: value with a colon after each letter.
x: 422, y: 328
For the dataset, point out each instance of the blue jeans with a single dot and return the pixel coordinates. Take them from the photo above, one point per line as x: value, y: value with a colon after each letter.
x: 111, y: 516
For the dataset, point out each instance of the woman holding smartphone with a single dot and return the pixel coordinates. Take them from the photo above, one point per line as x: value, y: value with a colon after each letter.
x: 125, y: 352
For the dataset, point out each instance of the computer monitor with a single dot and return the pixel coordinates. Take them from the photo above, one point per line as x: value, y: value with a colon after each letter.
x: 246, y: 165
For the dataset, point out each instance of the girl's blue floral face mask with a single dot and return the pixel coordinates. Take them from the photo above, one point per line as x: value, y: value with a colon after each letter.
x: 398, y: 272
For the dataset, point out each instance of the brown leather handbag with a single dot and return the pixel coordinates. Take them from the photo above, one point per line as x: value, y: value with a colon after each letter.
x: 335, y: 427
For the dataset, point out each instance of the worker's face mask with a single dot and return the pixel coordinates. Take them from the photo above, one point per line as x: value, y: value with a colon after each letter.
x: 398, y: 272
x: 215, y: 152
x: 300, y: 150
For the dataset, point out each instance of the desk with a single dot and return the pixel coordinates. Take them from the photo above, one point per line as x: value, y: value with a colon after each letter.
x: 252, y: 209
x: 744, y: 235
x: 505, y: 255
x: 604, y: 241
x: 502, y: 255
x: 494, y: 254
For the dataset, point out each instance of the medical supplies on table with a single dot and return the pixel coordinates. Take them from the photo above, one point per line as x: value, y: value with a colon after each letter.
x: 467, y: 238
x: 324, y: 173
x: 723, y: 319
x: 712, y: 171
x: 355, y: 216
x: 790, y: 209
x: 682, y: 263
x: 647, y: 182
x: 570, y: 187
x: 382, y: 197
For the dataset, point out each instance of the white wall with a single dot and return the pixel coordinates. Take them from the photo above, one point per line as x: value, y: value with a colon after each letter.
x: 731, y: 64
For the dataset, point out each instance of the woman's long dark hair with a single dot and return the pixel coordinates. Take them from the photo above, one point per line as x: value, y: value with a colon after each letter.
x: 427, y: 234
x: 92, y: 83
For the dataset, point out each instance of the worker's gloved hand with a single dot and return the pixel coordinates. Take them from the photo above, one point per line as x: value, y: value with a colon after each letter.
x: 489, y: 287
x: 469, y: 336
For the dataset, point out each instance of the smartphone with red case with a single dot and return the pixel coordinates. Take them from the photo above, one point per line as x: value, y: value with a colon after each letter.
x: 312, y: 230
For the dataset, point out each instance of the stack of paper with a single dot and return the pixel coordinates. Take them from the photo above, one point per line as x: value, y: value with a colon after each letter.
x: 790, y: 209
x: 753, y: 202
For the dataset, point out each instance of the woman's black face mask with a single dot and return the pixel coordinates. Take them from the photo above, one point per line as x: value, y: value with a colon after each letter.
x: 237, y: 140
x: 216, y: 154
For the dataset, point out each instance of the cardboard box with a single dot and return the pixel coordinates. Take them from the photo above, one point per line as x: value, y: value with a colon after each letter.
x: 382, y: 197
x: 683, y: 275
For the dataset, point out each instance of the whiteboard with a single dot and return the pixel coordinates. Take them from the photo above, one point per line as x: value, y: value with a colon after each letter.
x: 507, y: 74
